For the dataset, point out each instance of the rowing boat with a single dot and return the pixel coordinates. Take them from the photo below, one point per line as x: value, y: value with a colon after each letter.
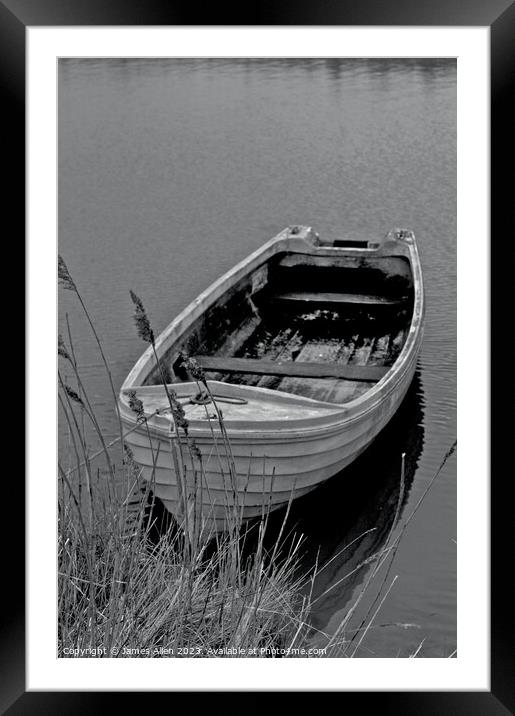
x: 301, y: 355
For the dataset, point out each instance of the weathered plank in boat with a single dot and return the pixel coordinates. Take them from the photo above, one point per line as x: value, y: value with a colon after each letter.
x: 236, y: 339
x: 396, y: 345
x: 293, y: 368
x: 362, y: 353
x: 299, y: 259
x: 313, y: 352
x: 292, y: 346
x: 389, y: 265
x: 343, y: 390
x: 360, y: 358
x: 380, y: 351
x: 353, y: 298
x: 270, y: 347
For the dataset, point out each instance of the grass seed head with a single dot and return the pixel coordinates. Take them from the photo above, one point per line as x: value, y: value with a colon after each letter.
x: 179, y: 415
x: 193, y: 367
x: 194, y: 449
x: 136, y: 405
x: 61, y: 348
x: 73, y: 395
x: 141, y: 320
x: 64, y: 276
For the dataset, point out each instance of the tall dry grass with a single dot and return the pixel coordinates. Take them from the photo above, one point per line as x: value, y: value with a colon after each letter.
x: 125, y: 592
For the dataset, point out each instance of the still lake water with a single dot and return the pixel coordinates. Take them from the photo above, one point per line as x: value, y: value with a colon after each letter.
x: 171, y: 171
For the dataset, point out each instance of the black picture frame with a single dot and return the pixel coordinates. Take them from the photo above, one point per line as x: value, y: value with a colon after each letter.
x: 499, y: 15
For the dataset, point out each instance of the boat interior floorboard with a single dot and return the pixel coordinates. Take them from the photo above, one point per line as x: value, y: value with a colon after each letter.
x: 368, y: 342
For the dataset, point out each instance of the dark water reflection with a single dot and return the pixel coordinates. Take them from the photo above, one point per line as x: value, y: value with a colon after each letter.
x: 348, y: 521
x: 170, y: 171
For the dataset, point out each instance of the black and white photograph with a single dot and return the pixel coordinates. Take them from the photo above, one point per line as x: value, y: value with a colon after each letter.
x: 260, y: 308
x: 257, y: 357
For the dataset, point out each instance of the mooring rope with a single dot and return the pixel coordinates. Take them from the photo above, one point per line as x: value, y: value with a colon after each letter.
x: 205, y: 398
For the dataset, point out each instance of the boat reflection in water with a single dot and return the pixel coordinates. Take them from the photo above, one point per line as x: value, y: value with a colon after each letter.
x: 347, y: 521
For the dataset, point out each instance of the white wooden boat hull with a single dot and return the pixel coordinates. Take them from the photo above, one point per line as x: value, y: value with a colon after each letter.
x: 282, y: 445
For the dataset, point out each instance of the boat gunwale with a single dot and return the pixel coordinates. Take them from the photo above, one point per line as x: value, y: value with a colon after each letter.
x: 368, y: 401
x: 293, y: 428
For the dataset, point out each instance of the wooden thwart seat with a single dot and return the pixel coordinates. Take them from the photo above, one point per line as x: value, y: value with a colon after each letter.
x: 354, y: 298
x: 293, y: 369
